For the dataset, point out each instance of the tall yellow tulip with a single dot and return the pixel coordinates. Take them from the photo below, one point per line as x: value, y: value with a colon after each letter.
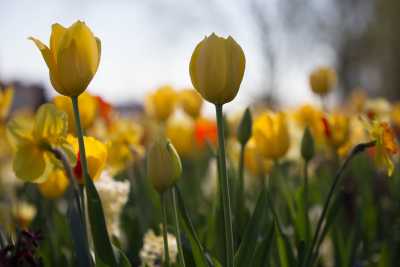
x: 217, y: 68
x: 72, y: 59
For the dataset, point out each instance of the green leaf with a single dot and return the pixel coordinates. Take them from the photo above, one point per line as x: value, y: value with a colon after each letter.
x: 263, y: 249
x: 122, y: 259
x: 78, y: 234
x: 102, y: 245
x: 248, y: 245
x: 200, y: 256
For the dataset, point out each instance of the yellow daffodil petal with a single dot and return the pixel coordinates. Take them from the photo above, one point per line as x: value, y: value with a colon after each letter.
x: 19, y: 130
x: 6, y: 100
x: 51, y: 124
x: 29, y: 162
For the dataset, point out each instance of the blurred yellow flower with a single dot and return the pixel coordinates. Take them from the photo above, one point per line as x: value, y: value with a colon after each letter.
x: 124, y: 146
x: 191, y: 102
x: 6, y: 100
x: 217, y: 68
x: 336, y: 128
x: 271, y: 135
x: 32, y: 140
x: 72, y: 59
x: 386, y: 145
x: 377, y: 109
x: 24, y: 213
x: 254, y: 162
x: 87, y: 108
x: 55, y: 185
x: 181, y: 134
x: 395, y: 114
x: 161, y: 103
x: 96, y: 156
x: 323, y: 80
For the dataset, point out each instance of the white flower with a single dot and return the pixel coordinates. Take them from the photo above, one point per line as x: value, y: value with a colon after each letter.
x: 113, y: 195
x: 152, y: 252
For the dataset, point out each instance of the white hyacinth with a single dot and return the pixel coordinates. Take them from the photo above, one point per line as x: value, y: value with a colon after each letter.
x: 114, y: 195
x: 152, y: 252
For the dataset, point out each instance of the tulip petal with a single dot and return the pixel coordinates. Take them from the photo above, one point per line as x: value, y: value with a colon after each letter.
x: 29, y: 162
x: 44, y: 50
x: 57, y: 34
x: 98, y: 42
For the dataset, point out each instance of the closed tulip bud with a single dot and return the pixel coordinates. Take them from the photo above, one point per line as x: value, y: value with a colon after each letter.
x: 217, y: 68
x: 72, y: 59
x: 271, y: 135
x: 323, y: 80
x: 161, y: 103
x: 244, y: 129
x: 307, y: 145
x: 163, y: 165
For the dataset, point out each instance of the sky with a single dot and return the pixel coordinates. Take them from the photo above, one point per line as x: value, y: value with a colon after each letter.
x: 146, y: 44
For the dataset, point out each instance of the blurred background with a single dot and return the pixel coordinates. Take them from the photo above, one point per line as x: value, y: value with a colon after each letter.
x: 147, y: 44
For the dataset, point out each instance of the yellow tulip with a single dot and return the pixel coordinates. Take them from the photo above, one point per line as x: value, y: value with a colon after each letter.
x: 96, y: 156
x: 31, y: 141
x: 161, y: 103
x: 163, y: 165
x: 72, y: 59
x: 336, y: 128
x: 254, y: 162
x: 55, y: 185
x: 87, y: 108
x: 271, y: 135
x: 191, y: 102
x: 6, y: 99
x: 323, y: 80
x: 217, y: 68
x: 181, y: 134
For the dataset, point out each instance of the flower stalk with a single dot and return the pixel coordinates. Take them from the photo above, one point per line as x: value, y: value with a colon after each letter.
x: 178, y: 230
x: 163, y: 198
x: 224, y: 185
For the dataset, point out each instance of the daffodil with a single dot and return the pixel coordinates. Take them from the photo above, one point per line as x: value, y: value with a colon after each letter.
x: 6, y: 99
x: 32, y: 159
x: 72, y: 58
x: 55, y: 185
x: 161, y: 103
x: 87, y: 107
x: 271, y: 135
x: 96, y: 156
x: 386, y: 145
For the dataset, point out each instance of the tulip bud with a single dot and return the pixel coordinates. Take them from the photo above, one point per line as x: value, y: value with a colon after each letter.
x: 163, y: 165
x: 72, y: 59
x: 244, y: 129
x: 217, y: 68
x: 322, y: 80
x: 307, y: 145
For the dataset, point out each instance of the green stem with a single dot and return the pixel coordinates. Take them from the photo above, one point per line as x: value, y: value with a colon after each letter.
x: 240, y: 190
x: 306, y: 201
x: 356, y: 150
x: 163, y: 198
x: 178, y: 231
x: 79, y: 133
x: 224, y: 183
